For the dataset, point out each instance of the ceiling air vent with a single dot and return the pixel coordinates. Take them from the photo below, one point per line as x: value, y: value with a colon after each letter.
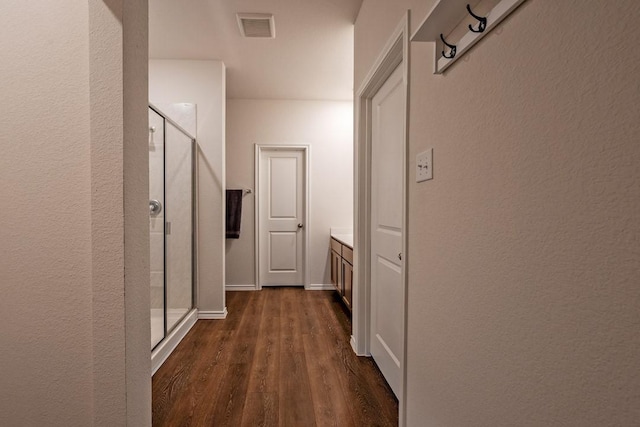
x: 256, y: 25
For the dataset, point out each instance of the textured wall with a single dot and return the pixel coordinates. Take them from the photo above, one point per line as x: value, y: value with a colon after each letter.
x: 119, y: 212
x: 325, y: 126
x: 523, y: 251
x: 201, y: 83
x: 45, y: 245
x: 69, y: 119
x: 135, y: 84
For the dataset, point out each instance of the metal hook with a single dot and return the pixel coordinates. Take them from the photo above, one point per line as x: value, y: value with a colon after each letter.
x: 483, y: 22
x: 452, y: 52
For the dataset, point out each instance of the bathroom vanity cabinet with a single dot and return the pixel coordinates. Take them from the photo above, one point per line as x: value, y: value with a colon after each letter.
x: 342, y: 267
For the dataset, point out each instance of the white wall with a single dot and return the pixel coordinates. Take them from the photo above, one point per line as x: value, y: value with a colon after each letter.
x: 523, y: 259
x: 72, y: 129
x: 44, y: 180
x: 326, y: 126
x: 202, y: 83
x: 130, y: 19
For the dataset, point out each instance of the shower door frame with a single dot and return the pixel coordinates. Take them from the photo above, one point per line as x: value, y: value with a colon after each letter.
x: 194, y: 222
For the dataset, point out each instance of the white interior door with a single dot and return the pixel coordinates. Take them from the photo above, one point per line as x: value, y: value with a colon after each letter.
x: 281, y: 215
x: 387, y: 189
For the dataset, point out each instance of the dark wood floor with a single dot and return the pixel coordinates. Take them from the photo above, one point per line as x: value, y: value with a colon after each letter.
x: 281, y: 358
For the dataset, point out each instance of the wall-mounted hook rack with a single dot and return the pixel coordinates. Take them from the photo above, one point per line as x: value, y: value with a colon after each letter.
x: 482, y: 25
x: 447, y: 14
x: 452, y: 49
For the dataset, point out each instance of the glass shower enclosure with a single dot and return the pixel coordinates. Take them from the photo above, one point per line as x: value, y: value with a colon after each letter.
x: 171, y: 223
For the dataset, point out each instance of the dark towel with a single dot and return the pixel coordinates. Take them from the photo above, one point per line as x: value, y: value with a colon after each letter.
x: 234, y: 213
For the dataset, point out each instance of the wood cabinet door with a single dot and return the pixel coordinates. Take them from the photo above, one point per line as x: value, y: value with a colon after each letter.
x: 347, y: 280
x: 336, y: 271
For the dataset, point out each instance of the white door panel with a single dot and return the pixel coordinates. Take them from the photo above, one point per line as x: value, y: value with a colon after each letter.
x: 283, y: 250
x: 387, y: 186
x: 282, y: 188
x: 389, y: 332
x: 388, y: 131
x: 389, y: 243
x: 281, y: 216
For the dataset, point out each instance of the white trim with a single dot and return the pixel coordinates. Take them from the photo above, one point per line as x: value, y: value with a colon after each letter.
x: 251, y: 287
x: 352, y: 341
x: 213, y: 315
x: 395, y: 53
x: 256, y: 218
x: 320, y: 287
x: 306, y: 151
x: 160, y: 354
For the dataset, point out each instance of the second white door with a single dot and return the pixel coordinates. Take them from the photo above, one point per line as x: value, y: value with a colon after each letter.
x: 387, y: 198
x: 281, y: 216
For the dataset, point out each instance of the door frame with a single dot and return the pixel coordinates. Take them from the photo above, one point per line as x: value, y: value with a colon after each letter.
x: 394, y: 54
x: 305, y: 150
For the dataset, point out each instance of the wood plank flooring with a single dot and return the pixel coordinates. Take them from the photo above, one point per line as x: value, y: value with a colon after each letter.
x: 281, y: 358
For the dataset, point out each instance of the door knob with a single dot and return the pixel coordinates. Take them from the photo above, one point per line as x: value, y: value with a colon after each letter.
x: 155, y: 207
x: 400, y: 256
x: 300, y: 225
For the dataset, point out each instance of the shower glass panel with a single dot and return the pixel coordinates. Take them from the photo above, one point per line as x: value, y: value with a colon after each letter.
x: 171, y: 219
x: 179, y: 221
x: 156, y: 224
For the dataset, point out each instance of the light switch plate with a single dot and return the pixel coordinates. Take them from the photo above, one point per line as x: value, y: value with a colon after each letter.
x: 424, y: 165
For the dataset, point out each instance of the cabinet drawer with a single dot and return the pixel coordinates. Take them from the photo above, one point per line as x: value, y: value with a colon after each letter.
x: 347, y: 254
x: 336, y: 246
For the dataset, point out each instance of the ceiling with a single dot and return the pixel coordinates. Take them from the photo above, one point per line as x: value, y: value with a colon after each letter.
x: 311, y: 56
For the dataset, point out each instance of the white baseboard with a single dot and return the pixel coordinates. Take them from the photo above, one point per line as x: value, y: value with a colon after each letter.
x: 240, y: 287
x: 215, y: 315
x: 354, y: 347
x: 320, y: 287
x: 166, y: 347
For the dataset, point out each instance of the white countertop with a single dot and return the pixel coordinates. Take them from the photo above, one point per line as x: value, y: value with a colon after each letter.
x: 344, y: 238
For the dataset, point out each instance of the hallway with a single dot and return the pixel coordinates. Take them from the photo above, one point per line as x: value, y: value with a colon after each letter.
x: 281, y: 358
